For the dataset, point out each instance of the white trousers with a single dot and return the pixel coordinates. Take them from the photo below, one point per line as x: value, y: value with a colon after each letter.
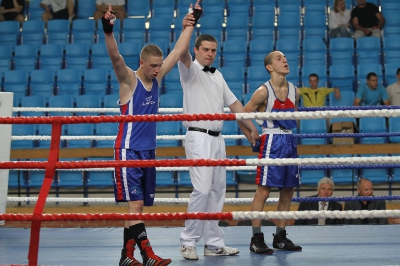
x: 209, y: 188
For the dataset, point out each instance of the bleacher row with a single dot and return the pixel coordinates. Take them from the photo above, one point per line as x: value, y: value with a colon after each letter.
x: 247, y: 31
x: 71, y: 68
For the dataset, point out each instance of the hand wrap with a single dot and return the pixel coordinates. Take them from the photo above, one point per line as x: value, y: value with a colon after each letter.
x: 196, y: 14
x: 256, y: 148
x: 108, y: 25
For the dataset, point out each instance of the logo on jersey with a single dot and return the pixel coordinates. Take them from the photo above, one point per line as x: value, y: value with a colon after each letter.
x: 148, y: 101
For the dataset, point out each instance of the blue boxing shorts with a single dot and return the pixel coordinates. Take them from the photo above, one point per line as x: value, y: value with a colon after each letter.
x: 133, y: 184
x: 278, y: 146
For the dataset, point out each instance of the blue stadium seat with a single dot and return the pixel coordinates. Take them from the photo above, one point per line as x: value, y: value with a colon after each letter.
x: 235, y: 78
x: 23, y: 130
x: 134, y: 29
x: 234, y: 53
x: 99, y: 57
x: 391, y: 27
x: 58, y: 31
x: 346, y: 99
x: 33, y: 101
x: 259, y: 47
x: 69, y: 82
x: 61, y: 101
x: 390, y: 73
x: 320, y: 70
x: 165, y: 179
x: 368, y: 50
x: 342, y: 76
x: 171, y: 100
x: 77, y: 56
x: 86, y: 9
x: 16, y: 81
x: 213, y: 7
x: 83, y: 31
x: 237, y: 27
x: 51, y: 56
x: 184, y: 179
x: 45, y: 130
x: 394, y: 126
x: 314, y: 51
x: 230, y: 128
x: 341, y: 51
x: 313, y: 126
x: 110, y: 101
x: 168, y: 128
x: 314, y: 25
x: 262, y: 25
x: 255, y: 77
x: 130, y: 52
x: 163, y: 8
x: 35, y: 11
x: 33, y: 32
x: 172, y: 82
x: 391, y: 49
x: 106, y: 129
x: 70, y: 179
x: 25, y: 57
x: 342, y: 176
x: 100, y: 179
x: 375, y: 175
x: 160, y: 29
x: 88, y: 101
x: 114, y: 84
x: 9, y: 32
x: 79, y: 130
x: 42, y: 82
x: 138, y: 8
x: 311, y: 177
x: 289, y: 20
x: 372, y: 125
x: 15, y: 177
x: 5, y: 57
x: 95, y: 81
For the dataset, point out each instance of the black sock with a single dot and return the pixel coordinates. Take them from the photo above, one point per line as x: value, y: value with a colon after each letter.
x: 127, y: 236
x: 138, y: 232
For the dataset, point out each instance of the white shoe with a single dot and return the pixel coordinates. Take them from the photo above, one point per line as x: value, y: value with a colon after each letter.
x: 224, y: 251
x: 188, y: 252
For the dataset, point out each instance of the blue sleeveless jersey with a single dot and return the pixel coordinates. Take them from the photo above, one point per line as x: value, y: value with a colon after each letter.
x: 139, y: 136
x: 276, y: 105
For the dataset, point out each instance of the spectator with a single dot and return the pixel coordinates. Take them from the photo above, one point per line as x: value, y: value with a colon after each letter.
x: 367, y: 20
x: 12, y: 10
x: 324, y: 190
x: 393, y: 90
x: 371, y: 93
x: 118, y: 7
x: 314, y: 96
x: 339, y: 20
x: 365, y: 189
x: 57, y: 9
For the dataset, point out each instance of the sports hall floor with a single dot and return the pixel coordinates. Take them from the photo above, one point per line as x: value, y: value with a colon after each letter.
x: 322, y: 245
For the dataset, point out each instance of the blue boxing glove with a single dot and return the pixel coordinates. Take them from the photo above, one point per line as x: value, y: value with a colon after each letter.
x: 256, y: 148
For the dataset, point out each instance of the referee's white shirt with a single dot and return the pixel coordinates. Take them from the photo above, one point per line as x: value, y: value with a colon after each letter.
x: 204, y: 93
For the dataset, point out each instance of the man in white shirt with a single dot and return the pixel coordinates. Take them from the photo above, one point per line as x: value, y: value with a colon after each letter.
x: 57, y: 9
x: 206, y: 92
x: 393, y: 90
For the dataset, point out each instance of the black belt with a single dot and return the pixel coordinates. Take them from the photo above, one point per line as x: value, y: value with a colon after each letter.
x: 209, y: 132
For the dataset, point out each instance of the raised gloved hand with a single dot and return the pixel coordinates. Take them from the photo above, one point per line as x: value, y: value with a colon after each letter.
x: 108, y: 21
x: 196, y: 12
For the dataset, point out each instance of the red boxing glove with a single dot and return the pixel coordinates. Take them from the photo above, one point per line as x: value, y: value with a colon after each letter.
x: 108, y: 25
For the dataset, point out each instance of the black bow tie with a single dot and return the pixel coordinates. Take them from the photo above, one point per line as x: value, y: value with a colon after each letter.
x: 211, y: 69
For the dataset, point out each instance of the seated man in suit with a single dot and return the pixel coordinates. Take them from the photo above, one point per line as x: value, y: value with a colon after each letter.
x: 325, y: 190
x: 365, y: 189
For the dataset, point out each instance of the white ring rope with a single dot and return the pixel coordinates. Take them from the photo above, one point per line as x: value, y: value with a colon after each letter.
x: 245, y: 215
x: 315, y: 214
x: 241, y: 116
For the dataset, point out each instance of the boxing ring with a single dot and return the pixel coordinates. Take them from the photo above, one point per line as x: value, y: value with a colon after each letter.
x: 332, y: 245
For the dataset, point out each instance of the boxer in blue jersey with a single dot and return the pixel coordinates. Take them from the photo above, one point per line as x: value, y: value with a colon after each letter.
x: 138, y: 94
x: 277, y: 141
